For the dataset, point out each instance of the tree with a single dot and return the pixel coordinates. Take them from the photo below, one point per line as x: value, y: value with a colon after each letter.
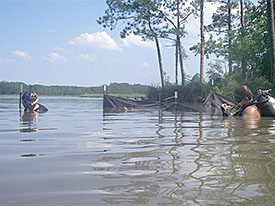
x: 200, y: 48
x: 243, y: 63
x: 181, y: 19
x: 211, y: 46
x: 215, y: 71
x: 222, y: 23
x: 271, y: 34
x: 202, y: 40
x: 256, y: 41
x: 240, y: 41
x: 142, y: 17
x: 175, y: 13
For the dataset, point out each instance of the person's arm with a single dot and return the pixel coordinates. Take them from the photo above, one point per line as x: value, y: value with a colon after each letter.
x: 36, y: 106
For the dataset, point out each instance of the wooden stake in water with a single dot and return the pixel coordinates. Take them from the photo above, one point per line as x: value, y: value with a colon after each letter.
x: 176, y: 96
x: 20, y: 96
x: 104, y: 88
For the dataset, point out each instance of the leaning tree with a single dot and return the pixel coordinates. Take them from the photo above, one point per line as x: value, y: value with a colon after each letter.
x: 140, y: 17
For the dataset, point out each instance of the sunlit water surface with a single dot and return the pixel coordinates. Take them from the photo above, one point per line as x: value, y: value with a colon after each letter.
x: 77, y: 155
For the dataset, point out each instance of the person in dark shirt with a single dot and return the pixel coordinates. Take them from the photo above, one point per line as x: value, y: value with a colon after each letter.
x: 245, y: 106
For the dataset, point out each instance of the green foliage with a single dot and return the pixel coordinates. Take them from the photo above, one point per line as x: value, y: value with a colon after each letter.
x: 246, y: 45
x: 125, y: 88
x: 140, y: 17
x: 249, y: 44
x: 227, y: 86
x: 215, y: 71
x: 259, y: 83
x: 256, y: 35
x: 212, y: 46
x: 113, y: 88
x: 192, y: 92
x: 222, y: 18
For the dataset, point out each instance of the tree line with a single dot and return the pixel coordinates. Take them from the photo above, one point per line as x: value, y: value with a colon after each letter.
x: 113, y: 88
x: 241, y: 36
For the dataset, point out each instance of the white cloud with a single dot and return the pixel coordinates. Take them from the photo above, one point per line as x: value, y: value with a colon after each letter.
x: 135, y: 40
x: 144, y: 64
x: 86, y: 57
x: 22, y: 54
x: 55, y: 57
x: 6, y: 60
x: 99, y: 40
x: 60, y: 49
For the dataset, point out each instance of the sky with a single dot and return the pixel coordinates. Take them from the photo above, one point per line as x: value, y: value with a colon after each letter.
x: 58, y: 42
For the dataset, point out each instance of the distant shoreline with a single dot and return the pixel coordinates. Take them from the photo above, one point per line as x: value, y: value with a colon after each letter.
x: 89, y: 95
x: 119, y: 95
x: 123, y: 89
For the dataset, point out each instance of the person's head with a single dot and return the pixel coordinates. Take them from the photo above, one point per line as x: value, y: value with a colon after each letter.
x: 29, y: 102
x: 243, y: 94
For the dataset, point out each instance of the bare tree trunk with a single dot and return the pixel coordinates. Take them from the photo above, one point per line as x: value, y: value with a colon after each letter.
x: 159, y: 56
x: 202, y: 42
x: 181, y: 63
x: 178, y: 44
x: 271, y: 33
x: 160, y: 62
x: 229, y: 37
x: 243, y: 62
x: 176, y: 65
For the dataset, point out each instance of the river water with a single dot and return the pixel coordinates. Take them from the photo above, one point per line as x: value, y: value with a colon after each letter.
x: 77, y: 155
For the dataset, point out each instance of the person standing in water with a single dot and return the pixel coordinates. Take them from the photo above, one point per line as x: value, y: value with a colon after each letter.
x: 245, y: 97
x: 30, y: 101
x: 245, y: 107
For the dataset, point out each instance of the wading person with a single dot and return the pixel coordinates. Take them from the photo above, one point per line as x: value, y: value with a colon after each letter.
x: 245, y: 106
x: 30, y: 101
x: 245, y: 97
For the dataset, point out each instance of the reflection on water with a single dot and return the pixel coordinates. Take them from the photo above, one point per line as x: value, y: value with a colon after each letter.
x: 29, y: 122
x: 198, y: 162
x: 31, y: 155
x: 155, y: 157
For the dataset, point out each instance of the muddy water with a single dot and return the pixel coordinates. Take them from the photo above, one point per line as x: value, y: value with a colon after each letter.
x: 76, y: 155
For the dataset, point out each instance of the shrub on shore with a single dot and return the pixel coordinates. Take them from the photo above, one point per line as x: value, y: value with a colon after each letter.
x: 194, y: 92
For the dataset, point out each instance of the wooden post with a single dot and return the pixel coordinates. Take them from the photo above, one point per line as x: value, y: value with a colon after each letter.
x: 104, y: 89
x: 176, y: 101
x: 160, y: 95
x: 104, y: 100
x: 176, y: 96
x: 20, y: 96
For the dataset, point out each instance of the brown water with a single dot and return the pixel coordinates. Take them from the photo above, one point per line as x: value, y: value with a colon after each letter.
x: 76, y: 155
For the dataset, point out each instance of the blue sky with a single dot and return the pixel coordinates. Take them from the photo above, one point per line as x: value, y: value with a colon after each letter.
x: 58, y: 42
